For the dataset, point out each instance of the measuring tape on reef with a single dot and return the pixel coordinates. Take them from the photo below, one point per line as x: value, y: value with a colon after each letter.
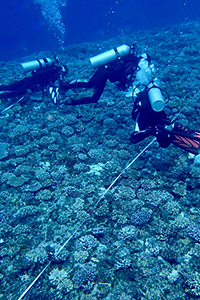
x: 85, y: 219
x: 98, y: 201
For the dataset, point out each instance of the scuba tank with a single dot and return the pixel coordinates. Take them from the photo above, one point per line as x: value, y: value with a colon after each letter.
x: 36, y: 64
x: 110, y: 56
x: 155, y: 97
x: 144, y: 76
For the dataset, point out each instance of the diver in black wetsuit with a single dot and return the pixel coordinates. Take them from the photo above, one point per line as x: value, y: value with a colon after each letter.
x: 120, y: 70
x: 40, y: 79
x: 149, y: 122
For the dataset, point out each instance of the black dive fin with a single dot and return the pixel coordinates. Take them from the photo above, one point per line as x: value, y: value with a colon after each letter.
x: 185, y: 138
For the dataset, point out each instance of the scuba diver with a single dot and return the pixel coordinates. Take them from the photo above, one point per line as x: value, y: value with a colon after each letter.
x: 116, y: 65
x: 45, y: 73
x: 154, y: 122
x: 120, y: 65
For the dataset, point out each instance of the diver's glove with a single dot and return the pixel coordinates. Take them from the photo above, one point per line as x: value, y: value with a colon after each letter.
x: 54, y: 93
x: 163, y: 136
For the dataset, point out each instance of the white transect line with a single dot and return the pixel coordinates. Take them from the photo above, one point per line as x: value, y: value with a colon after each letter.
x: 98, y: 201
x: 84, y: 220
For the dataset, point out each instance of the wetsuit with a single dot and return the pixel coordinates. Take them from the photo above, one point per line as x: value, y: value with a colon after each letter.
x: 38, y: 81
x: 148, y: 122
x: 120, y: 71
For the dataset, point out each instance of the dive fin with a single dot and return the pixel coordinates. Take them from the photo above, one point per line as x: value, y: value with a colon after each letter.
x: 54, y: 93
x: 185, y: 138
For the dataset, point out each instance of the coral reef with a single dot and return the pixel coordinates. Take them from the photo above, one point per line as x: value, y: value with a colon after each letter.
x: 142, y: 240
x: 60, y: 279
x: 86, y: 242
x: 84, y: 277
x: 141, y: 217
x: 193, y: 285
x: 194, y: 232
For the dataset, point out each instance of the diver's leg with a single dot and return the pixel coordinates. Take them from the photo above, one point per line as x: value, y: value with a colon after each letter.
x: 73, y: 85
x: 14, y: 94
x: 98, y: 90
x: 5, y: 88
x: 17, y: 88
x: 86, y: 100
x: 141, y: 129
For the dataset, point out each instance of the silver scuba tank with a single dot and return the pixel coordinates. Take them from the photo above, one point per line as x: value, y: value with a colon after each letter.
x: 155, y: 97
x: 36, y: 64
x: 109, y: 56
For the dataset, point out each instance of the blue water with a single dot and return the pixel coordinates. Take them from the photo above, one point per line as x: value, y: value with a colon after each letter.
x: 24, y: 30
